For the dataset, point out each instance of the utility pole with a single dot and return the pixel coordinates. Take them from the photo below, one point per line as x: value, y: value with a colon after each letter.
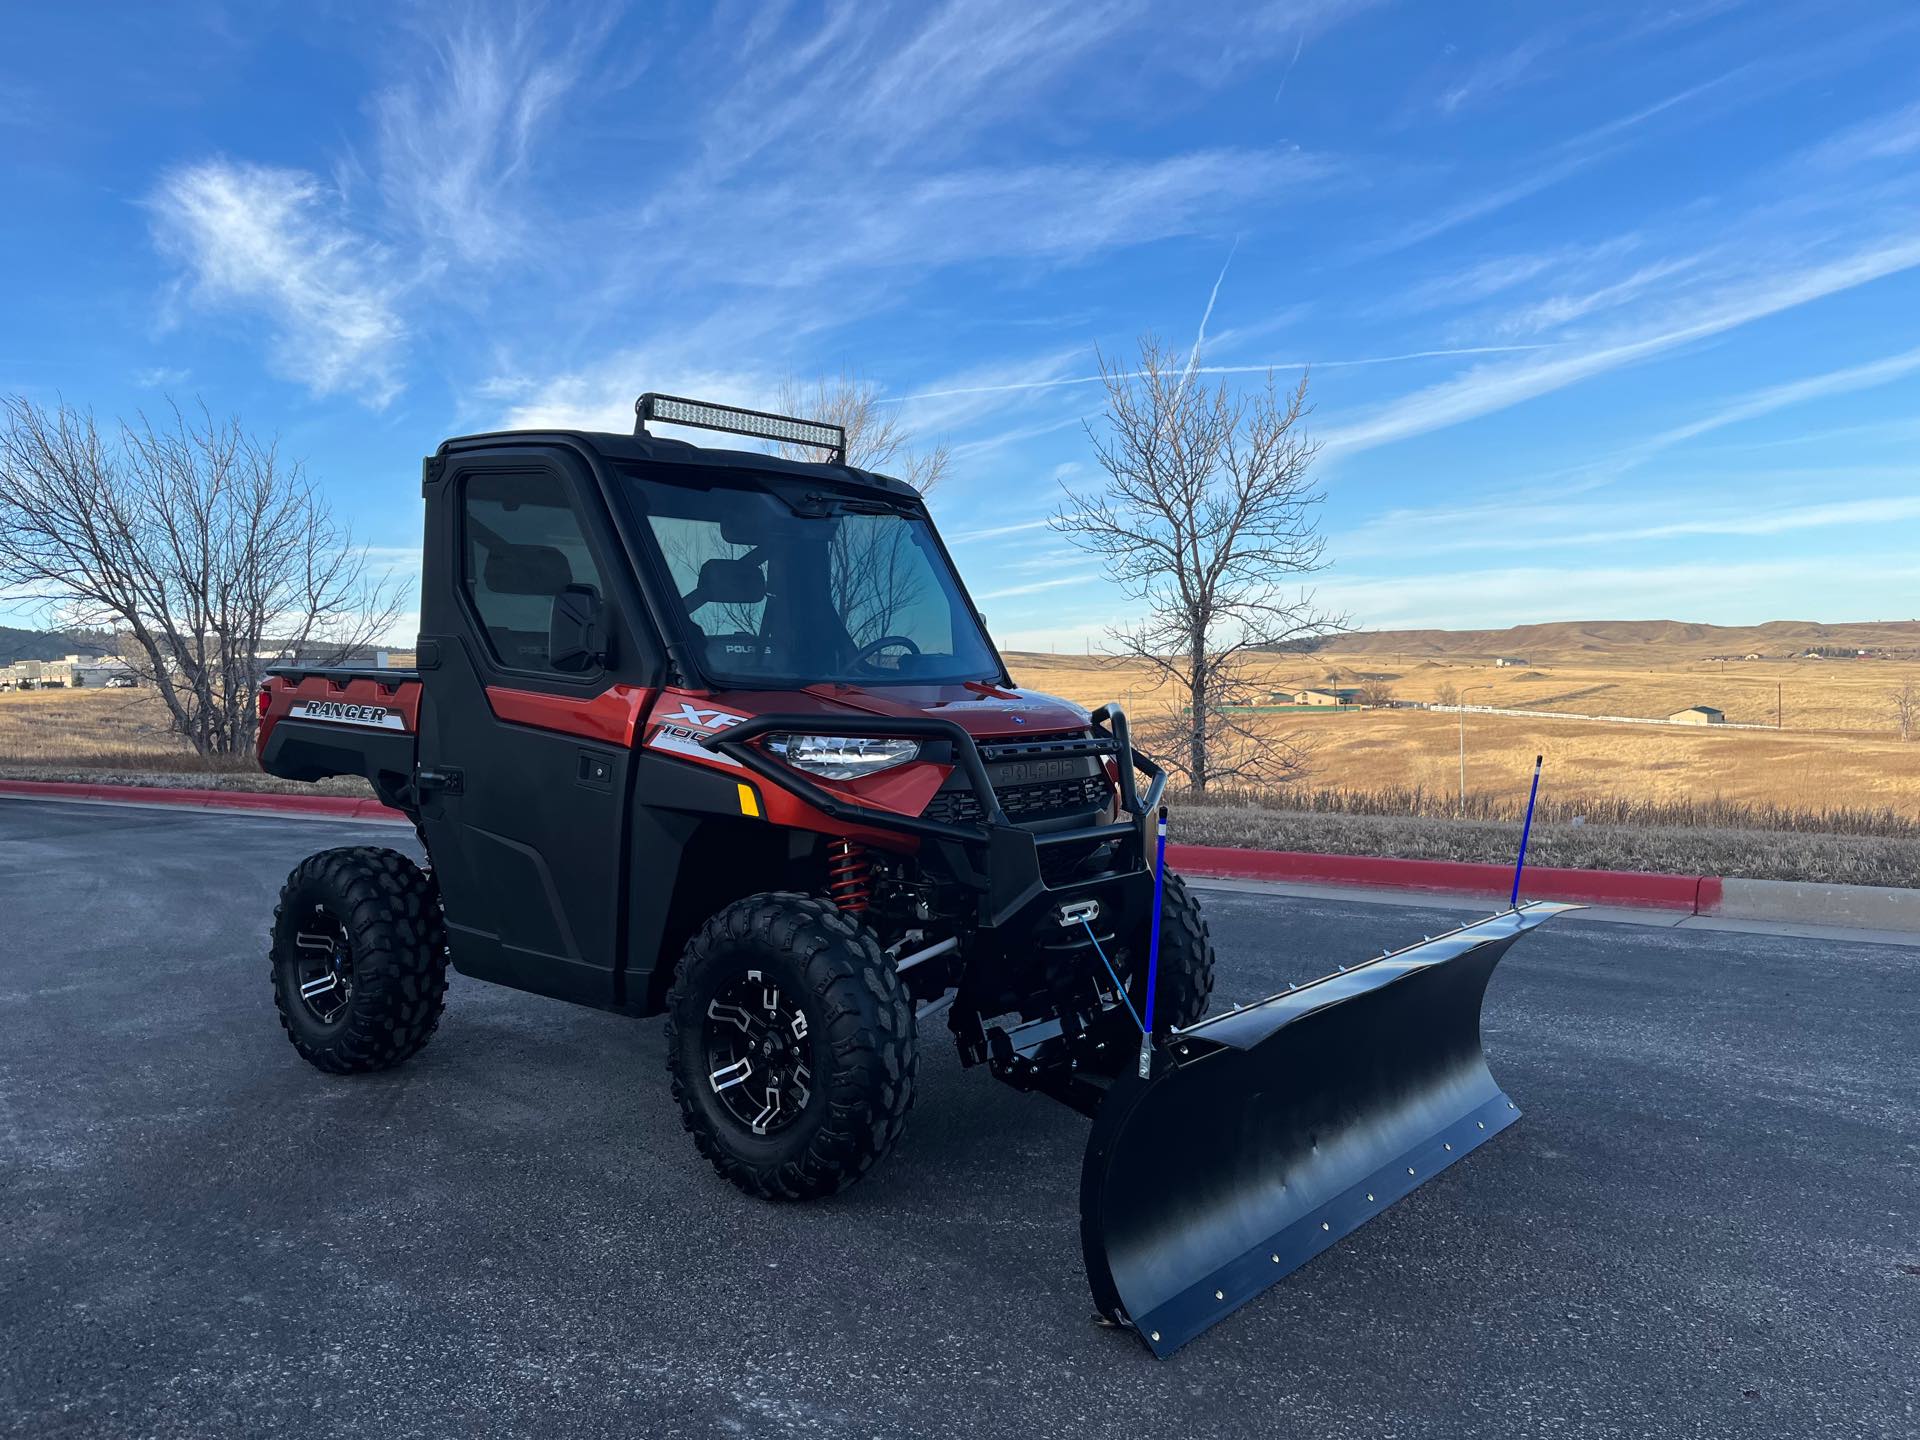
x: 1779, y: 705
x: 1463, y: 744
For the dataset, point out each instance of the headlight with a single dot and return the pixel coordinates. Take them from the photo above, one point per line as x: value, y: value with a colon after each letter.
x: 841, y: 757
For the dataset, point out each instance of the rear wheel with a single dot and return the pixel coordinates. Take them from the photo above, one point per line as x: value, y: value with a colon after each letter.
x: 359, y: 959
x: 1186, y: 958
x: 791, y: 1046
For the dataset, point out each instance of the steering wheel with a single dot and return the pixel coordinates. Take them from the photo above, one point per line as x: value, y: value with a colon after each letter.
x: 860, y: 656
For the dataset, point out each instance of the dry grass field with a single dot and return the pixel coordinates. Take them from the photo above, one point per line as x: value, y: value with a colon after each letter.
x: 1839, y: 746
x: 96, y: 728
x: 118, y: 736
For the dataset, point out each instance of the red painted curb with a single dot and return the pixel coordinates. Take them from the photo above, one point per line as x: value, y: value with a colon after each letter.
x: 339, y: 806
x: 1699, y: 894
x: 1602, y: 887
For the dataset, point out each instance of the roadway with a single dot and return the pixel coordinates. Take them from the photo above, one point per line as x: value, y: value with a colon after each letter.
x: 1708, y: 1222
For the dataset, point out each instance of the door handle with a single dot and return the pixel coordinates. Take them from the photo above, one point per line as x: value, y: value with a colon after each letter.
x: 450, y: 780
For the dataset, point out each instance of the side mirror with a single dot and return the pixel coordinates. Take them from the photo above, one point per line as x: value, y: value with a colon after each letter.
x: 575, y: 639
x: 730, y: 582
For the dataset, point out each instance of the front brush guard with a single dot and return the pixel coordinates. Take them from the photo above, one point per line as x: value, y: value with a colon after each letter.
x: 1266, y: 1134
x: 996, y: 858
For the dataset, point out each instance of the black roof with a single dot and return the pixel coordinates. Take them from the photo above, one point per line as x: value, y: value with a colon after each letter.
x: 642, y: 449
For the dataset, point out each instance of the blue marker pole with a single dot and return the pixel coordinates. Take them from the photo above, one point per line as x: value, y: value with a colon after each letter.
x: 1153, y: 949
x: 1526, y: 830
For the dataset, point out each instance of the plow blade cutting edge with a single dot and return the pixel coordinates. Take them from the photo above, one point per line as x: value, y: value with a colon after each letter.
x: 1266, y: 1134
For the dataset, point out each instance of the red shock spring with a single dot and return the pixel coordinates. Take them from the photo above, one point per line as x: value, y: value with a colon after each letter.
x: 848, y: 874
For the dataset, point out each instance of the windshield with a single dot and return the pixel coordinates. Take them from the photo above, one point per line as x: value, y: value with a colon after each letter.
x: 777, y: 600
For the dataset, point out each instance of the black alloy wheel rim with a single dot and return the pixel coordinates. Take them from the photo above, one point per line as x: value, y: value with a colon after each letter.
x: 758, y: 1055
x: 323, y: 966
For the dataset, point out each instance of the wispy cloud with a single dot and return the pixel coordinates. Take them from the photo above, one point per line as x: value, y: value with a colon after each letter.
x: 995, y: 532
x: 1499, y: 73
x: 1564, y: 308
x: 601, y: 396
x: 1892, y: 136
x: 454, y: 141
x: 451, y: 146
x: 160, y: 377
x: 1795, y: 392
x: 254, y: 238
x: 1567, y: 159
x: 882, y: 88
x: 1036, y: 586
x: 1751, y: 592
x: 1558, y: 525
x: 1008, y: 387
x: 973, y: 55
x: 928, y: 220
x: 1490, y: 388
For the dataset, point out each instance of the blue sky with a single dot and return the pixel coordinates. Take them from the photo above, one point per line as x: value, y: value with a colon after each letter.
x: 1614, y: 311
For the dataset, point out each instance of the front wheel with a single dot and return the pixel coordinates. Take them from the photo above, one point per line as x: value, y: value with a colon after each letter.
x: 1186, y: 959
x: 791, y: 1046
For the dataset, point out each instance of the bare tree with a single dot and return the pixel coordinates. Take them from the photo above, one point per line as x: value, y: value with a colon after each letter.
x: 874, y: 577
x: 1206, y: 516
x: 1377, y: 693
x: 1906, y: 708
x: 876, y: 437
x: 1446, y: 693
x: 211, y: 553
x: 875, y: 574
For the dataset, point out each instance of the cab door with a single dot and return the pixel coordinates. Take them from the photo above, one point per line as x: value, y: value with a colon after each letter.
x: 525, y: 767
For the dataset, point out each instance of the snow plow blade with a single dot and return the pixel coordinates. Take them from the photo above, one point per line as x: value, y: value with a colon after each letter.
x: 1266, y: 1134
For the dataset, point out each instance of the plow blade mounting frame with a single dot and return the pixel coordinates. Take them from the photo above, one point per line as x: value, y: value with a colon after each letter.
x: 1266, y: 1134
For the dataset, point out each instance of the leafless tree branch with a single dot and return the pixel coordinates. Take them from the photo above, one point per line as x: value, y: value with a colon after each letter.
x: 207, y: 554
x: 1207, y: 515
x: 876, y: 438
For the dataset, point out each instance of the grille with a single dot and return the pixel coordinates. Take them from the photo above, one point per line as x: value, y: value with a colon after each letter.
x: 1060, y: 864
x: 1040, y: 801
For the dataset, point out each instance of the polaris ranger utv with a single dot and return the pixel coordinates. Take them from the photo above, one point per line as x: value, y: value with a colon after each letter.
x: 714, y: 734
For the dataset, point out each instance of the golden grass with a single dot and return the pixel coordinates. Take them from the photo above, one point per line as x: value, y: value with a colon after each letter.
x: 97, y: 729
x: 1840, y: 747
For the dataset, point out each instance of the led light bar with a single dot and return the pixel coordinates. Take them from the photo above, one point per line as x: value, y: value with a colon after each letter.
x: 762, y: 425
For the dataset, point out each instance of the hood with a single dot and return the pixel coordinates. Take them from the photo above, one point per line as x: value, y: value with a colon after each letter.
x: 982, y: 710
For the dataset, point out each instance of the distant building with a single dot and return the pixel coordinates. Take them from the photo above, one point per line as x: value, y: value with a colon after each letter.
x: 1509, y: 662
x: 94, y: 671
x: 1326, y: 697
x: 1698, y: 715
x: 69, y: 670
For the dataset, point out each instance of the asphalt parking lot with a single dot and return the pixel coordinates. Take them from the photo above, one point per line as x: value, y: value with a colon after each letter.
x: 1707, y: 1224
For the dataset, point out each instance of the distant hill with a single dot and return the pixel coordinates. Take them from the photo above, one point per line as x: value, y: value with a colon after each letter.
x: 1669, y: 639
x: 46, y: 644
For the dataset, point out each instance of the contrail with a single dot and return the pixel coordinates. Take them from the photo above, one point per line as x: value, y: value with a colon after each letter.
x: 1201, y: 337
x: 1298, y: 46
x: 1216, y: 370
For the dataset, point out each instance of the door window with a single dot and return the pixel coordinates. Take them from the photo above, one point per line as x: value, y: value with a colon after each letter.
x: 523, y: 545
